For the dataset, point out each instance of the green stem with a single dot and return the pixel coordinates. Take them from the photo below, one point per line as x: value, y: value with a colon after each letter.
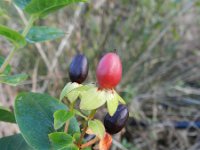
x: 12, y: 52
x: 85, y: 126
x: 29, y: 25
x: 71, y: 109
x: 8, y: 59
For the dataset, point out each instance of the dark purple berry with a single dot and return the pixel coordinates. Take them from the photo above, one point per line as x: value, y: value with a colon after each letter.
x: 114, y: 124
x: 78, y: 69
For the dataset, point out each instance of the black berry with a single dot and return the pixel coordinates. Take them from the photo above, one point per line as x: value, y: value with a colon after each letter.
x: 78, y: 69
x: 113, y: 124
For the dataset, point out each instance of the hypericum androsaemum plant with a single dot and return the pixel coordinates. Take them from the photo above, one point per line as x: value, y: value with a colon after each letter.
x: 47, y: 123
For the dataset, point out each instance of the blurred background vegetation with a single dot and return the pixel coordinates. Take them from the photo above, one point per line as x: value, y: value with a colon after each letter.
x: 159, y: 44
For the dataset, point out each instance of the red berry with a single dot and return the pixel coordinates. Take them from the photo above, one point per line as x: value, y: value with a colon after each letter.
x: 109, y: 71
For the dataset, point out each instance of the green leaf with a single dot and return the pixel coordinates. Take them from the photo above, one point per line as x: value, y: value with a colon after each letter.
x: 14, y: 142
x: 6, y: 115
x: 70, y: 147
x: 92, y: 99
x: 7, y: 70
x: 68, y: 88
x: 120, y: 99
x: 43, y: 33
x: 76, y: 136
x: 22, y: 3
x: 13, y: 79
x: 73, y: 126
x: 61, y: 140
x: 34, y: 116
x: 80, y: 114
x: 75, y: 93
x: 13, y: 36
x: 44, y: 7
x: 112, y: 103
x: 97, y: 128
x: 60, y: 117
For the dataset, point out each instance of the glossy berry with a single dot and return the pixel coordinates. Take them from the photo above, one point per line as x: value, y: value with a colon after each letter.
x: 78, y: 69
x: 114, y: 124
x: 109, y: 71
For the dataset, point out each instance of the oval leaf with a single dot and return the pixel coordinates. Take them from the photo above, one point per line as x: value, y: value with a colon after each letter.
x: 97, y: 128
x: 22, y: 3
x: 120, y: 99
x: 60, y: 117
x: 6, y: 115
x: 34, y: 115
x: 13, y: 80
x: 112, y: 102
x: 75, y: 93
x: 92, y: 99
x: 14, y: 142
x: 61, y: 140
x: 13, y: 36
x: 44, y: 7
x: 43, y: 33
x: 68, y: 88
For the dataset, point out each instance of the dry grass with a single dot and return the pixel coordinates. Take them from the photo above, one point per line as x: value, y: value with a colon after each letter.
x: 158, y: 42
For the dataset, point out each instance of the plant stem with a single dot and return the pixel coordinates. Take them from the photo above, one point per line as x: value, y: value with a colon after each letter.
x: 29, y: 25
x: 71, y: 109
x: 90, y: 142
x: 12, y: 52
x: 9, y: 57
x: 66, y: 126
x: 85, y: 126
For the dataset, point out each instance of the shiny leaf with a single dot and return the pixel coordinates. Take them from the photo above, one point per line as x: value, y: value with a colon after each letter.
x: 14, y: 142
x: 34, y: 116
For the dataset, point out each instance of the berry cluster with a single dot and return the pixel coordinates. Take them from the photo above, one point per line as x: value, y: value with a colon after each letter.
x: 108, y: 74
